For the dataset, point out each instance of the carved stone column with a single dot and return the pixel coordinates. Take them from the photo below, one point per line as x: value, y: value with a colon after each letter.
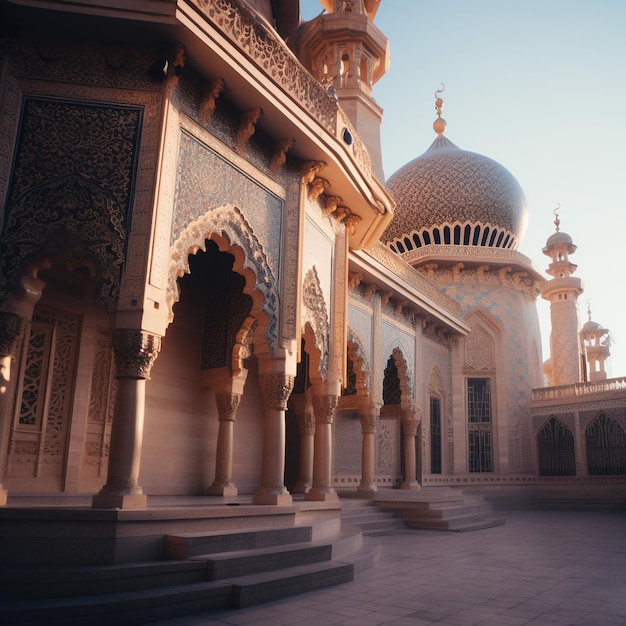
x: 11, y: 332
x: 324, y: 407
x: 135, y: 353
x: 227, y: 405
x: 410, y: 425
x: 368, y: 415
x: 306, y: 424
x: 276, y: 388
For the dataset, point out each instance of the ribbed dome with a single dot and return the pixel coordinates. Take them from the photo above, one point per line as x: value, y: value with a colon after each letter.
x: 447, y: 186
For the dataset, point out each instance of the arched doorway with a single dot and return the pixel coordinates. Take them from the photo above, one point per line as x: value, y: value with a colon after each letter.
x: 556, y: 451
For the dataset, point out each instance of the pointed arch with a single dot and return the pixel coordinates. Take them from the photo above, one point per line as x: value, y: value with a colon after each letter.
x: 556, y: 449
x: 228, y: 228
x: 606, y: 446
x: 315, y: 317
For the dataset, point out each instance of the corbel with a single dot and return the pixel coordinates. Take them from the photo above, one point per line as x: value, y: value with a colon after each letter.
x: 279, y: 157
x: 211, y: 93
x: 247, y: 127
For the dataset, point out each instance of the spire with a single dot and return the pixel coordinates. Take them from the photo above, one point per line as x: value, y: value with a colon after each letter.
x: 557, y: 221
x: 439, y: 125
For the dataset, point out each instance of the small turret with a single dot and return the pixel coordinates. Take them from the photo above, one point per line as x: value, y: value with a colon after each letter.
x: 596, y: 343
x: 348, y: 54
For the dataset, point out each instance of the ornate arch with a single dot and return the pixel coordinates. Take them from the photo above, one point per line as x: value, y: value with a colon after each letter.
x: 314, y: 314
x: 358, y: 356
x: 228, y: 228
x: 405, y: 374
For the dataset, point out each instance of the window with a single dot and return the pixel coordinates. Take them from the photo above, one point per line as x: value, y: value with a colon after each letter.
x: 480, y: 448
x: 435, y: 436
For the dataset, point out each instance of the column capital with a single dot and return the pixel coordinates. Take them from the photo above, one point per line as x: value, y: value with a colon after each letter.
x: 324, y: 408
x: 410, y: 427
x: 276, y: 387
x: 227, y: 405
x: 135, y: 352
x: 12, y: 328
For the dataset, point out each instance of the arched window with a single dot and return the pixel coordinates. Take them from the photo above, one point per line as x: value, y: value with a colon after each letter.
x: 446, y: 235
x: 435, y: 435
x: 476, y: 238
x: 426, y: 236
x: 505, y: 243
x: 417, y: 241
x: 494, y: 232
x: 457, y: 235
x: 436, y: 235
x: 606, y: 447
x: 408, y: 244
x: 400, y: 246
x: 500, y: 237
x: 485, y: 235
x: 467, y: 233
x: 555, y: 446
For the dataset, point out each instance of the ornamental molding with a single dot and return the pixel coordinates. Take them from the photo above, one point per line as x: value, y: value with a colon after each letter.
x: 397, y: 264
x: 228, y: 228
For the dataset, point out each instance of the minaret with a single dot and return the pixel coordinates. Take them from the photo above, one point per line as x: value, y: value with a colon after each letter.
x: 596, y: 342
x: 562, y: 292
x: 348, y: 54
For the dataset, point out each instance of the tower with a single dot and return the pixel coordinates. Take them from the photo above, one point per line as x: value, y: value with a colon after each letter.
x: 348, y: 54
x: 562, y: 292
x: 596, y: 343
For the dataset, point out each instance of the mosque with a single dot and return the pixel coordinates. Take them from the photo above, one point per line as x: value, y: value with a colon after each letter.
x: 209, y: 290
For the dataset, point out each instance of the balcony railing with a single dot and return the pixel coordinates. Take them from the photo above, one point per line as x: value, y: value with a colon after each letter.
x: 576, y: 390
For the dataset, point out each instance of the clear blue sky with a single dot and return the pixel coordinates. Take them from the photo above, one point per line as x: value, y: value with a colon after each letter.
x: 539, y: 86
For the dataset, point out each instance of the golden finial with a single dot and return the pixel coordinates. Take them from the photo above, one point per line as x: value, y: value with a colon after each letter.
x: 589, y: 309
x: 439, y: 124
x: 557, y: 221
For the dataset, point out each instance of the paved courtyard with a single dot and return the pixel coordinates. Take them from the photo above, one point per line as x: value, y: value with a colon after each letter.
x: 542, y: 567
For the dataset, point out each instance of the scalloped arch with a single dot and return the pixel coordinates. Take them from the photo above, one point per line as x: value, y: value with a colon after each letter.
x: 228, y: 228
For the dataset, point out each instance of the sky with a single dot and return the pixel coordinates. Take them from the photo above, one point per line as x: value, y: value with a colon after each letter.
x: 540, y: 87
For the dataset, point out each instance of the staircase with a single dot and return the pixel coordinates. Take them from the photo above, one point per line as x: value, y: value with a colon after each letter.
x: 364, y: 514
x: 439, y: 509
x: 203, y: 571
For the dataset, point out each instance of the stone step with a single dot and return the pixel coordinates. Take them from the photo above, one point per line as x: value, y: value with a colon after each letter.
x: 188, y: 545
x: 67, y: 581
x: 457, y: 525
x: 450, y: 512
x: 224, y: 565
x: 137, y: 607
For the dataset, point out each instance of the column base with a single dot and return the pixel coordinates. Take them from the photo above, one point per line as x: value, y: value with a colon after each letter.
x: 322, y: 494
x: 3, y: 496
x: 413, y: 486
x: 119, y: 501
x: 221, y: 489
x: 367, y: 488
x: 277, y: 499
x: 301, y: 487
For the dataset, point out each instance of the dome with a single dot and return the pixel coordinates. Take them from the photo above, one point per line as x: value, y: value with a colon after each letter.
x: 559, y: 240
x: 448, y: 187
x: 591, y: 326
